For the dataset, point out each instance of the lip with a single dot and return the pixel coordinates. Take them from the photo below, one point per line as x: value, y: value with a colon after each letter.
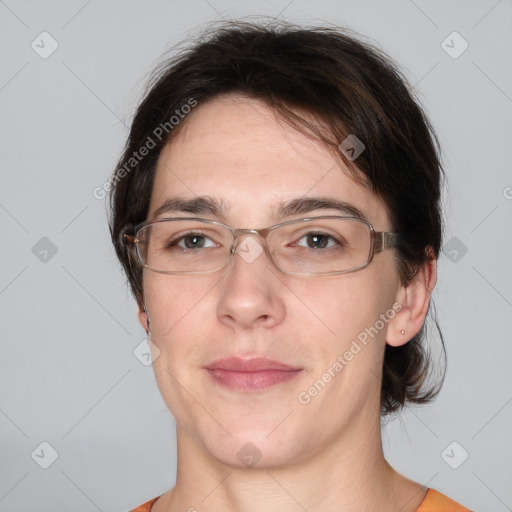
x: 252, y: 374
x: 253, y: 364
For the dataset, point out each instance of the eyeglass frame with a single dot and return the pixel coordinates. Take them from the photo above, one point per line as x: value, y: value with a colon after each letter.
x: 379, y: 240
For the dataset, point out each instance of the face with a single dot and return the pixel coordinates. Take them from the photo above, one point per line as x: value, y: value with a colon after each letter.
x: 235, y: 151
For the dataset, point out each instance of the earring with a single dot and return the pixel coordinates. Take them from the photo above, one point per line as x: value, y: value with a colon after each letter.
x: 148, y: 326
x: 402, y: 332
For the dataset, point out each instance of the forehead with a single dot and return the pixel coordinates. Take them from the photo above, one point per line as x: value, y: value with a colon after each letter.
x: 236, y: 150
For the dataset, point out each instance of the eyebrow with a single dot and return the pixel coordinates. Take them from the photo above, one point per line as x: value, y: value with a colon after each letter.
x: 198, y: 206
x: 206, y: 205
x: 304, y: 205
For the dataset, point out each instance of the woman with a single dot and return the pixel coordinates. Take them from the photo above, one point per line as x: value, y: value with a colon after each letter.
x: 276, y: 211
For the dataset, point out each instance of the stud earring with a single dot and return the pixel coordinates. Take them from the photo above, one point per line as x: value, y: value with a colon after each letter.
x: 402, y: 332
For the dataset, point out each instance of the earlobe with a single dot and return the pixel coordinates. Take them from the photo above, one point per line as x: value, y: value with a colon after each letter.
x: 414, y: 300
x: 144, y: 319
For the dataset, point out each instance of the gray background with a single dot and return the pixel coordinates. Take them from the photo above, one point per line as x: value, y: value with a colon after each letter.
x: 68, y: 373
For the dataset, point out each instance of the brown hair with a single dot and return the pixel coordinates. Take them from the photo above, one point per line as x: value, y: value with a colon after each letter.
x: 347, y: 85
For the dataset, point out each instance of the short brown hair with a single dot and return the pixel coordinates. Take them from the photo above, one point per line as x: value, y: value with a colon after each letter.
x: 351, y: 88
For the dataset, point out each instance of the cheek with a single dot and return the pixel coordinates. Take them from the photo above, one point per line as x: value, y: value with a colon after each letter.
x: 180, y: 310
x: 345, y: 376
x: 345, y: 304
x: 180, y: 328
x: 173, y: 300
x: 348, y: 311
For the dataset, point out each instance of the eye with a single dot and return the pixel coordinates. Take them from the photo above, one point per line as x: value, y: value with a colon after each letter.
x: 193, y: 241
x: 317, y: 241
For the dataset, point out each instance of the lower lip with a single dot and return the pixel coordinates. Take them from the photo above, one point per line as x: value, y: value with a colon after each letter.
x: 252, y: 381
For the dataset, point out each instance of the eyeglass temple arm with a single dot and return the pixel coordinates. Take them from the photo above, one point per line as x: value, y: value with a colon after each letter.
x: 384, y: 239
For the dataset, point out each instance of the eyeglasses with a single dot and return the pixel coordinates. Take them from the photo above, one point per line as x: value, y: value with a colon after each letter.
x: 325, y: 245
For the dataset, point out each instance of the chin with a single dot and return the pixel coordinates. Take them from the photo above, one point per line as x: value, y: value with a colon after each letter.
x: 242, y: 453
x: 268, y: 448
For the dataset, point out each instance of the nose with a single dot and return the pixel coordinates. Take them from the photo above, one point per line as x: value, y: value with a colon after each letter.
x: 251, y: 294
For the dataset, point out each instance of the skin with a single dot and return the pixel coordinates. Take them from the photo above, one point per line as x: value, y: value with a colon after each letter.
x: 326, y: 455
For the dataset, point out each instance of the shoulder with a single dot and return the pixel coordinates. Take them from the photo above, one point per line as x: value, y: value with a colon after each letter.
x: 146, y: 507
x: 436, y: 502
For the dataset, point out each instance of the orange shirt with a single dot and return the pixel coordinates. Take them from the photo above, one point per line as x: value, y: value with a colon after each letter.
x: 434, y: 502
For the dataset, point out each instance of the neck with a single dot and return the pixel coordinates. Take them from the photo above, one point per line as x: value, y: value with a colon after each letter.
x: 348, y: 474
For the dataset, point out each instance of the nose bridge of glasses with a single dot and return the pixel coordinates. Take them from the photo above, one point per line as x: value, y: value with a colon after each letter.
x: 238, y: 236
x: 249, y: 244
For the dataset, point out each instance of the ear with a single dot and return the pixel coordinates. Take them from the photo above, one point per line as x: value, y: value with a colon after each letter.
x: 143, y: 318
x: 414, y: 300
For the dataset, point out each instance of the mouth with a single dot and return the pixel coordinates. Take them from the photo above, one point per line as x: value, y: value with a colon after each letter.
x: 250, y: 374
